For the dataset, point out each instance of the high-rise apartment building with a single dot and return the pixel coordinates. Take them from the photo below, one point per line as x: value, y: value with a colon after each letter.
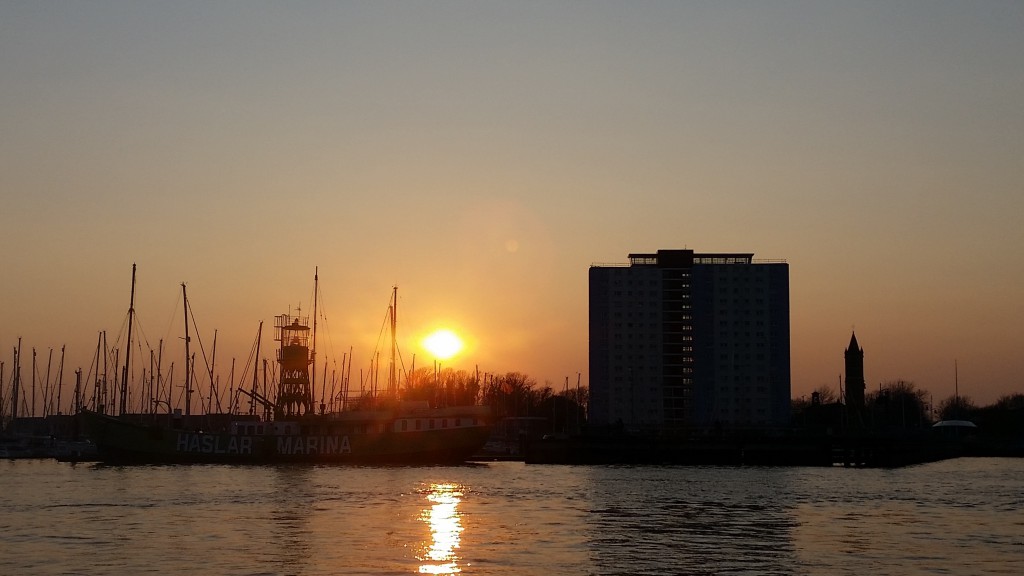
x: 683, y: 341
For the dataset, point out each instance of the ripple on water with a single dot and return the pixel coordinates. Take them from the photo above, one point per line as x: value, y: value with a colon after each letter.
x: 509, y: 518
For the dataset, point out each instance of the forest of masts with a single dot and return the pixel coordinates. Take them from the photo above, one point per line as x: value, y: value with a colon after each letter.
x: 155, y: 386
x: 138, y: 378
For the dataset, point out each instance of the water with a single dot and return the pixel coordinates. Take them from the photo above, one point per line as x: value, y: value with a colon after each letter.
x: 960, y: 516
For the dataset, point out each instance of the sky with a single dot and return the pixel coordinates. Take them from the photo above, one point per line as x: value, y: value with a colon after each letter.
x: 481, y: 156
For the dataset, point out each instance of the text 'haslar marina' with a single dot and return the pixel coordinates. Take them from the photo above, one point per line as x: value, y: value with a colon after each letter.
x: 211, y: 444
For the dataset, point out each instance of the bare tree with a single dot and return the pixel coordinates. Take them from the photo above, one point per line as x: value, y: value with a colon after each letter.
x: 826, y: 394
x: 899, y: 404
x: 957, y: 408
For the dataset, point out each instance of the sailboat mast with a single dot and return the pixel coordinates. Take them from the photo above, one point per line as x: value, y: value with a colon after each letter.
x: 128, y: 354
x: 256, y: 371
x: 347, y: 378
x: 150, y: 405
x: 266, y: 407
x: 392, y: 382
x: 47, y: 391
x: 323, y: 390
x: 105, y: 395
x: 159, y: 379
x: 214, y: 391
x: 60, y: 378
x: 188, y: 375
x: 312, y: 356
x: 96, y: 381
x: 17, y: 382
x: 32, y: 410
x: 78, y: 391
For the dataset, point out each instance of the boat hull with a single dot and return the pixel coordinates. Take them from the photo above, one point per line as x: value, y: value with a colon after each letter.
x: 119, y: 441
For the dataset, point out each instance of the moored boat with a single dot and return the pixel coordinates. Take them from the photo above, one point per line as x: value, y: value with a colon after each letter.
x: 406, y: 434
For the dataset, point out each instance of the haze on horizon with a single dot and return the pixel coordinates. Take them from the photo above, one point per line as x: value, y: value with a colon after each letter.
x: 481, y: 156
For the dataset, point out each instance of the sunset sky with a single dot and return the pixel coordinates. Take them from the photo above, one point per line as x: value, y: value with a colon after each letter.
x: 482, y: 155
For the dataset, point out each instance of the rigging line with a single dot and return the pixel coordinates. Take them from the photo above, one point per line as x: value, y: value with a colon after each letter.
x: 272, y: 388
x: 114, y: 356
x: 181, y: 392
x: 89, y: 375
x: 401, y: 362
x: 245, y: 367
x: 172, y: 319
x: 201, y: 347
x: 398, y: 353
x: 209, y: 370
x: 139, y: 365
x: 332, y: 357
x: 121, y: 332
x: 326, y: 328
x: 383, y: 328
x: 380, y: 337
x: 215, y: 384
x: 142, y: 333
x: 164, y: 388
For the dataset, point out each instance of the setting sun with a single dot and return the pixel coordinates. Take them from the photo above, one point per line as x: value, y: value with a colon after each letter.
x: 443, y: 344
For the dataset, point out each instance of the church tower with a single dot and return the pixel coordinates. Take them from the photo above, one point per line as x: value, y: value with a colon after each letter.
x: 854, y: 374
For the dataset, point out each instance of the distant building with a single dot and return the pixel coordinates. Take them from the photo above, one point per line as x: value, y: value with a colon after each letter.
x: 854, y: 374
x: 681, y: 341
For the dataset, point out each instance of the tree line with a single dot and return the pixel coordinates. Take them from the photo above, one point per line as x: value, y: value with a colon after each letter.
x: 509, y: 395
x: 901, y: 404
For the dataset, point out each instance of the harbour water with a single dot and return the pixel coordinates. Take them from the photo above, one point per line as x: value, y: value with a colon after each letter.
x: 962, y: 516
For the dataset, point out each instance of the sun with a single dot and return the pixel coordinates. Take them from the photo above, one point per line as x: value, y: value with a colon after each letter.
x: 443, y: 344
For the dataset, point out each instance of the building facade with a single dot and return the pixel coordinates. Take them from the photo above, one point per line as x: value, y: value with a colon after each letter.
x: 683, y: 341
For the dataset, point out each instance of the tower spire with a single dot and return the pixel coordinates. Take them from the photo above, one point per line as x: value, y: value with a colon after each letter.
x: 854, y: 373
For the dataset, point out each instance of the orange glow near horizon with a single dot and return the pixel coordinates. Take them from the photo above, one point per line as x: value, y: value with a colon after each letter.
x: 876, y: 151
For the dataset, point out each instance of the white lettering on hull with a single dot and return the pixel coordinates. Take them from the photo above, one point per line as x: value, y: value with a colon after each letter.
x: 296, y: 445
x: 213, y: 444
x: 286, y: 445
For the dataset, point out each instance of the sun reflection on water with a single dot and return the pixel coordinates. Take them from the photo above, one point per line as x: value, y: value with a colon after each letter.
x: 445, y: 529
